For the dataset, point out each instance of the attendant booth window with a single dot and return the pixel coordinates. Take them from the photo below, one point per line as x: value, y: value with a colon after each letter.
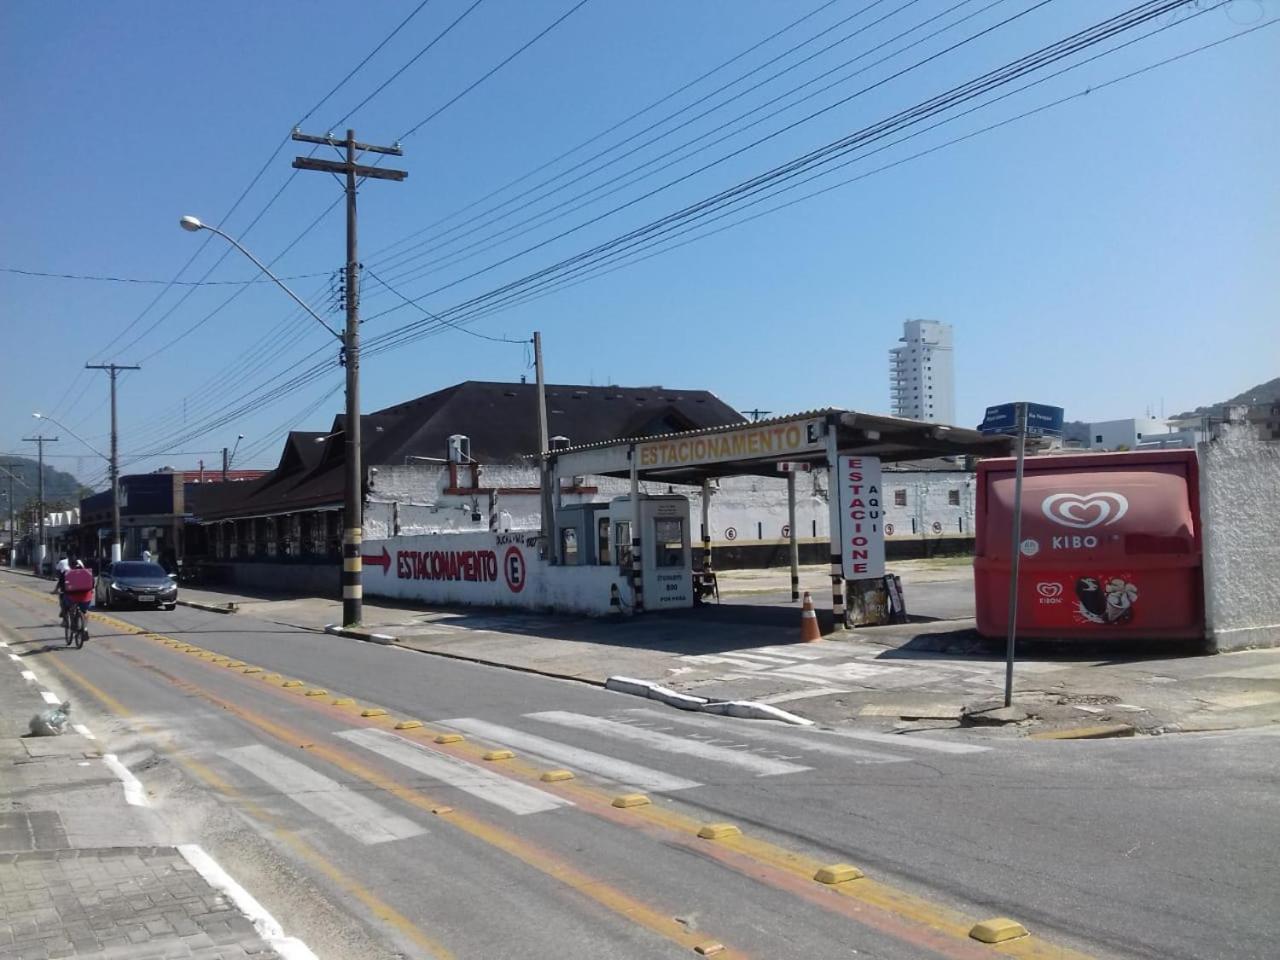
x: 622, y: 543
x: 669, y: 534
x: 569, y: 546
x: 602, y: 541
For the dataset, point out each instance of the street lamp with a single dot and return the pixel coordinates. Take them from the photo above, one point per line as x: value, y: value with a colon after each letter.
x: 353, y: 499
x: 83, y: 441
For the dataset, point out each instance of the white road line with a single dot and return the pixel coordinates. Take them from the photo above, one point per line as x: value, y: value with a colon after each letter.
x: 798, y: 741
x: 3, y: 644
x: 354, y: 814
x: 14, y: 656
x: 776, y: 661
x: 511, y: 795
x: 760, y: 766
x: 28, y: 676
x: 290, y: 948
x: 50, y: 697
x: 84, y: 731
x: 916, y: 742
x: 611, y: 768
x: 134, y: 794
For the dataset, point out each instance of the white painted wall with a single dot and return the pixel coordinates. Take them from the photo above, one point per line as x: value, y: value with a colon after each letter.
x: 505, y: 572
x: 1127, y: 434
x: 1240, y: 517
x: 743, y: 509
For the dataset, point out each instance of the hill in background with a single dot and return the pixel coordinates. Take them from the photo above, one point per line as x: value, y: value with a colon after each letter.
x: 61, y: 490
x: 1268, y: 392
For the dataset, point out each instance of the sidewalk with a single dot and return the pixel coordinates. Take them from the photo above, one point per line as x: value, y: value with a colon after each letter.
x: 928, y: 674
x: 80, y: 873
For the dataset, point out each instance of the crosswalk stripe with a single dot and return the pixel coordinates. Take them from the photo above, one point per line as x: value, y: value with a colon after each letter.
x: 620, y: 771
x: 794, y: 741
x: 511, y: 795
x: 918, y: 743
x: 760, y: 766
x: 355, y: 815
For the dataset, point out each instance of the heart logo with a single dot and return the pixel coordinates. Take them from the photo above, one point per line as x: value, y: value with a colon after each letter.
x: 1082, y: 511
x: 1049, y: 590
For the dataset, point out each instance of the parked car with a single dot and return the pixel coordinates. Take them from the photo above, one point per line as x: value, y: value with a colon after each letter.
x: 136, y: 583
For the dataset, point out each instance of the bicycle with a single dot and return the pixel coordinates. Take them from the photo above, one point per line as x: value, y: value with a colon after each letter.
x: 76, y: 630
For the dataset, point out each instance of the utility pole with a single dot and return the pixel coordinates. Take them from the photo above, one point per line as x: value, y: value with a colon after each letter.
x: 13, y: 537
x: 112, y: 370
x: 40, y: 440
x: 544, y: 445
x: 224, y: 464
x: 352, y: 534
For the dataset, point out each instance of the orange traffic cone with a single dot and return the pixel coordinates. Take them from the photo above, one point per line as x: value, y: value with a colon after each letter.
x: 809, y: 631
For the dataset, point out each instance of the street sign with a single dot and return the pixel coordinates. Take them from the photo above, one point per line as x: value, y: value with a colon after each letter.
x: 1044, y: 420
x: 1001, y: 419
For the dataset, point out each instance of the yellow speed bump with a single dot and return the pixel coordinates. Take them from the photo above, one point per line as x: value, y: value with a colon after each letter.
x: 555, y: 776
x: 997, y: 930
x: 292, y: 683
x: 450, y: 738
x: 441, y: 811
x: 718, y: 831
x: 220, y: 658
x: 251, y: 670
x: 272, y: 677
x: 234, y: 663
x: 373, y: 712
x: 628, y: 800
x: 317, y: 692
x: 498, y: 755
x: 838, y: 873
x: 343, y: 701
x: 408, y: 724
x: 709, y: 949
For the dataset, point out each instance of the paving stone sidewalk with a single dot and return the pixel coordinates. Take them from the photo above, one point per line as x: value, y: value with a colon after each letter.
x: 117, y: 902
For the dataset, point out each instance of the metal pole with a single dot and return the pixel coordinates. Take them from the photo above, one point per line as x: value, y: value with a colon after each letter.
x: 544, y: 443
x: 352, y: 590
x: 113, y: 369
x: 706, y: 525
x: 791, y: 536
x: 40, y: 440
x: 13, y: 537
x: 637, y: 568
x: 224, y: 464
x: 1016, y: 555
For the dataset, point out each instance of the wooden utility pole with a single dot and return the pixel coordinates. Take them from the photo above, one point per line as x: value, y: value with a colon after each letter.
x: 353, y: 527
x: 113, y: 369
x: 13, y: 536
x: 40, y: 440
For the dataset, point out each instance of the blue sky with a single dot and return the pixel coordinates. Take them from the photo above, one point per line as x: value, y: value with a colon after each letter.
x: 1110, y: 255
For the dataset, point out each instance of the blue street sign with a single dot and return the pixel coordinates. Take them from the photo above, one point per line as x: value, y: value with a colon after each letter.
x: 1042, y: 420
x: 1001, y: 419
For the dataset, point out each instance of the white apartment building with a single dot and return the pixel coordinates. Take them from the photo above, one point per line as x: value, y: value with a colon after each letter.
x: 922, y: 384
x: 1128, y: 434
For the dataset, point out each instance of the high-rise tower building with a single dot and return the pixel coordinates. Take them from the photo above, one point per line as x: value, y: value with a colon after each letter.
x: 922, y: 382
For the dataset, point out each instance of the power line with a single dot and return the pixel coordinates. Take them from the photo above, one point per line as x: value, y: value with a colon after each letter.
x: 826, y: 154
x: 418, y: 306
x: 604, y: 133
x: 614, y: 185
x: 410, y: 62
x: 475, y: 83
x: 143, y: 280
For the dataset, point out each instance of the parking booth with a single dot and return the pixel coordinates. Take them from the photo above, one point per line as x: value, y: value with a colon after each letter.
x: 663, y: 555
x: 1110, y: 546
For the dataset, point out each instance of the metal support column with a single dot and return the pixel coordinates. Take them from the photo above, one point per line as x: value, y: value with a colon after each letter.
x: 637, y: 569
x: 791, y: 537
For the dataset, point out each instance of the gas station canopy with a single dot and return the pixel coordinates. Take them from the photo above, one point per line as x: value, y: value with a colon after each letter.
x: 758, y: 448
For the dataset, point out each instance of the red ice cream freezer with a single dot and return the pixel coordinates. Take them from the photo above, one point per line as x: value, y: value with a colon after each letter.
x: 1110, y: 546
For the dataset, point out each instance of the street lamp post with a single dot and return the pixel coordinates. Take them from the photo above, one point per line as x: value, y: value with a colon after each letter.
x: 111, y: 461
x: 351, y: 600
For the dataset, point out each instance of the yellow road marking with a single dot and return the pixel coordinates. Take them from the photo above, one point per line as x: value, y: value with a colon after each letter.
x: 661, y: 819
x: 312, y: 857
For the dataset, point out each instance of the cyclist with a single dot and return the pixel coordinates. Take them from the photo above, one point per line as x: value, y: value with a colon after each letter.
x: 61, y: 568
x: 77, y: 589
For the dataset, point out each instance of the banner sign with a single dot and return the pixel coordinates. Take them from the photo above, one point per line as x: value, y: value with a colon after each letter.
x: 861, y: 517
x: 744, y: 443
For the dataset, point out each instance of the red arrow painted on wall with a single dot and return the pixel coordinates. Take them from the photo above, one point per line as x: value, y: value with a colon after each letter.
x: 383, y: 561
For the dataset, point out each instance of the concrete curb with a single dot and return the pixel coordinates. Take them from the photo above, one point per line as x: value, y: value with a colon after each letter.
x: 743, y: 709
x: 366, y: 635
x: 210, y: 607
x: 1100, y: 732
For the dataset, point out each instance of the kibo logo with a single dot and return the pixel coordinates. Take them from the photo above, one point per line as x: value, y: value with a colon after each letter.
x: 1049, y: 590
x: 1083, y: 511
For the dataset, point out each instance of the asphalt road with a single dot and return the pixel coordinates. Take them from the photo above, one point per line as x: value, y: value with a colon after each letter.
x: 367, y: 840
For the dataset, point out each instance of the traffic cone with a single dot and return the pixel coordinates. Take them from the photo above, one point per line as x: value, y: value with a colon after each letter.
x: 809, y: 631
